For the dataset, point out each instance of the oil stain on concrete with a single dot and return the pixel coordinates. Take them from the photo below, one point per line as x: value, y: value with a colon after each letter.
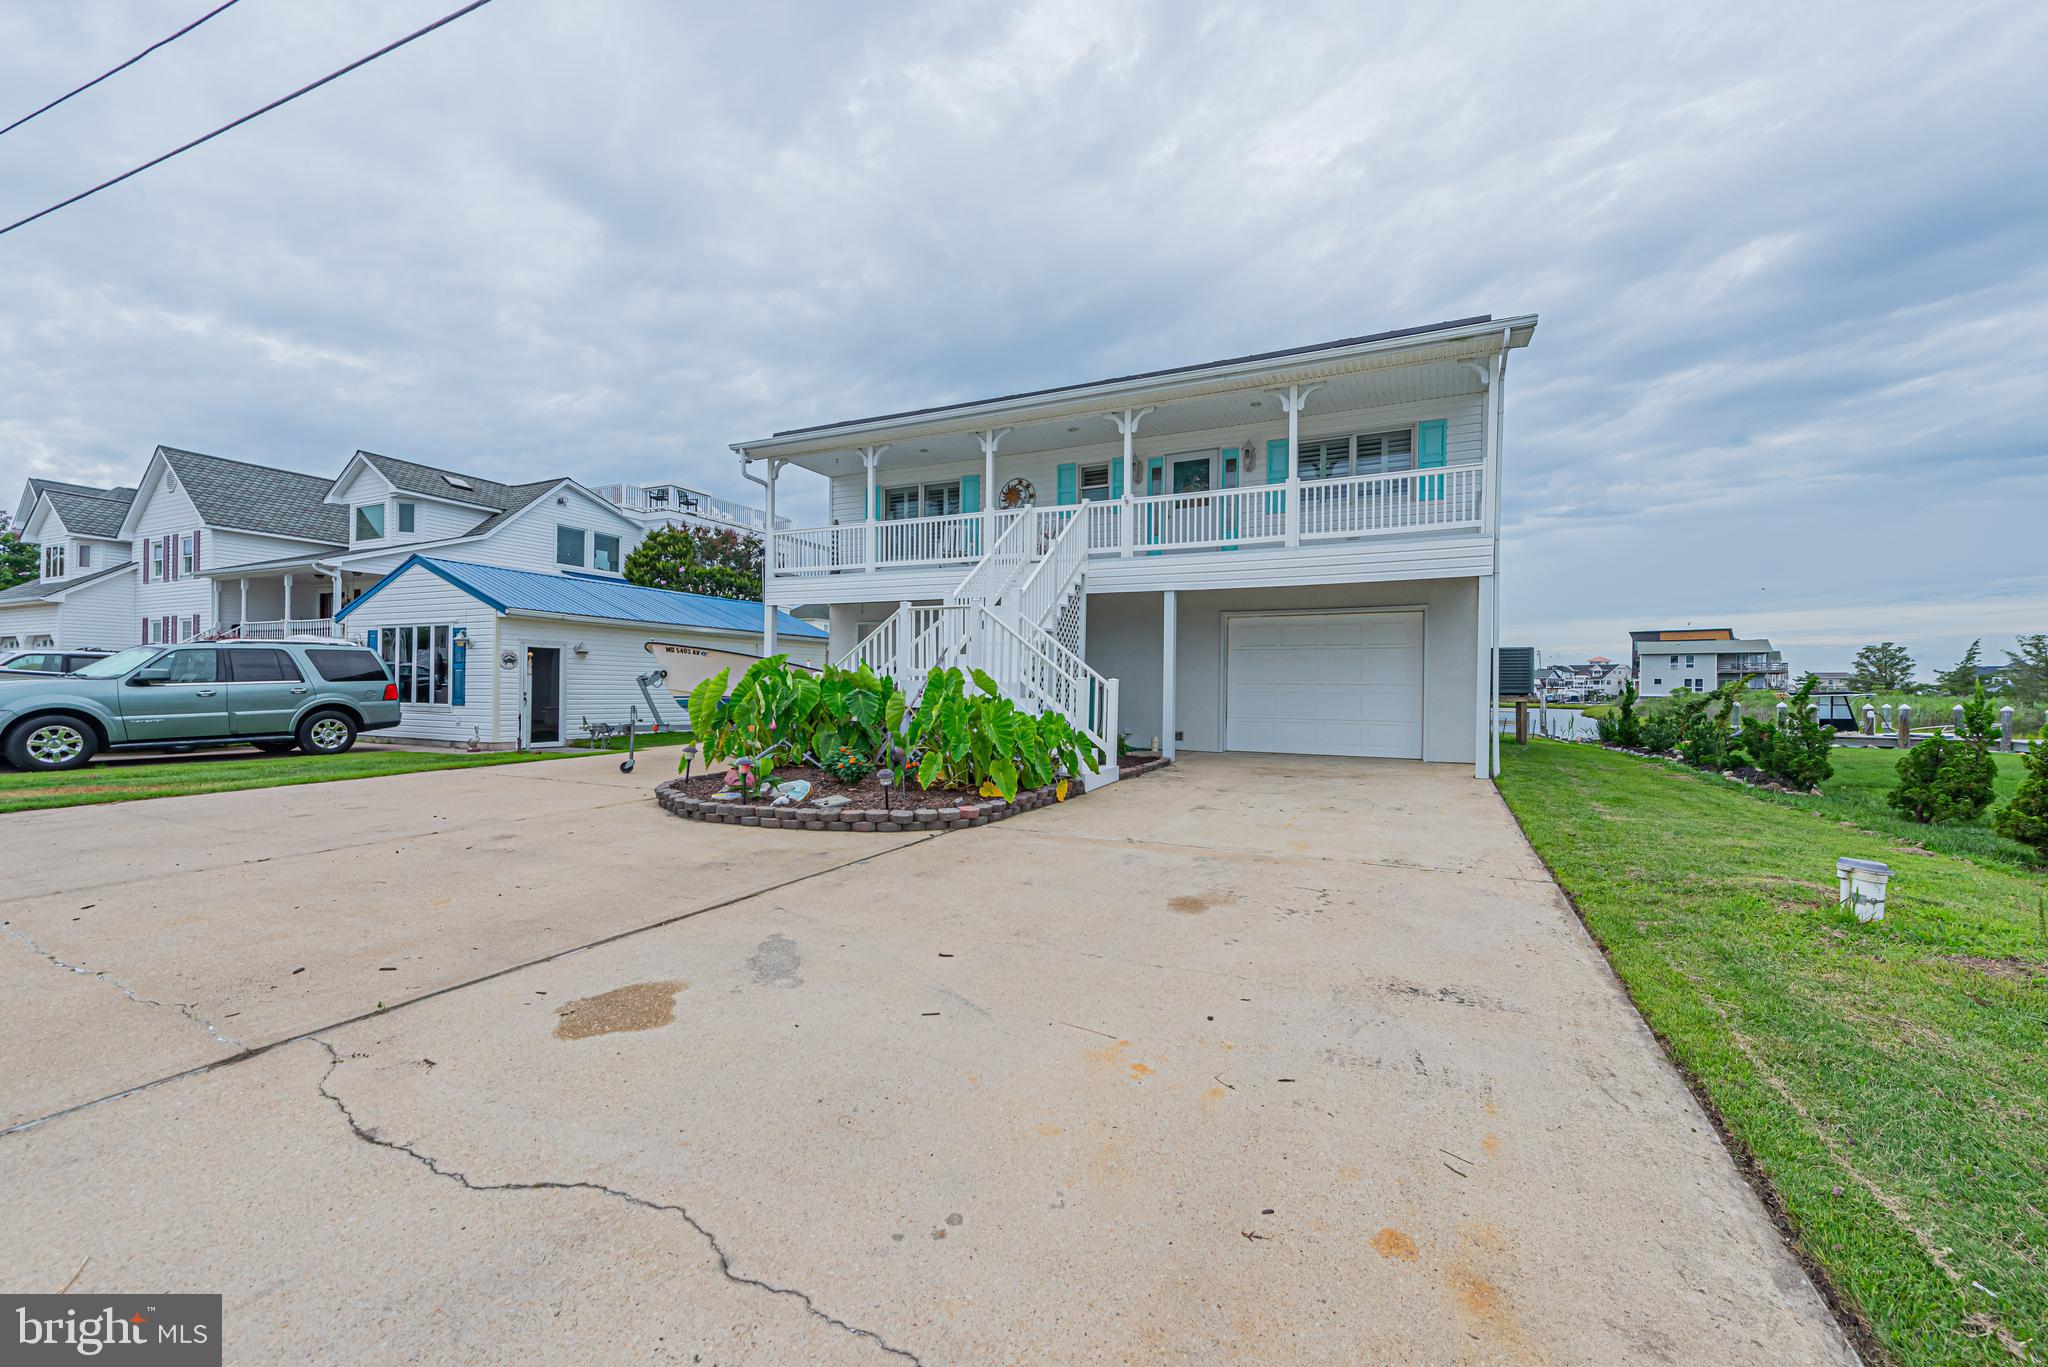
x: 775, y: 961
x: 642, y: 1006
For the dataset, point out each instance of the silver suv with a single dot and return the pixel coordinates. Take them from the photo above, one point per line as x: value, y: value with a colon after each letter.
x: 313, y: 694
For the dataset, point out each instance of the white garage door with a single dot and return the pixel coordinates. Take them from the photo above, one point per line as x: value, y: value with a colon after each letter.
x: 1335, y: 683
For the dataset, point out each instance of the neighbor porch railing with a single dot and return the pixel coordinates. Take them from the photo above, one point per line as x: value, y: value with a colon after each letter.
x: 276, y: 630
x: 1448, y: 498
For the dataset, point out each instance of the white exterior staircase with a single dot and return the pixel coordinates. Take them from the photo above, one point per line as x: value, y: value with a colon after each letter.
x: 1018, y: 616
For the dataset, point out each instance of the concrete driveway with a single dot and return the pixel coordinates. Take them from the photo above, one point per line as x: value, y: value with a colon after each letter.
x: 1254, y: 1059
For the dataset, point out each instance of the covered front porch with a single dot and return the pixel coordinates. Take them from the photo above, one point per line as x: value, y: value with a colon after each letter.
x: 278, y: 598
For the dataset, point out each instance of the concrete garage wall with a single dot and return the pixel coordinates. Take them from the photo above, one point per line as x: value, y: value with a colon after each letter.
x: 1125, y: 632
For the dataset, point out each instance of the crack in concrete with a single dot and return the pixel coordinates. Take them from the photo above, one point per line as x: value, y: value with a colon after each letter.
x: 369, y: 1135
x: 185, y: 1009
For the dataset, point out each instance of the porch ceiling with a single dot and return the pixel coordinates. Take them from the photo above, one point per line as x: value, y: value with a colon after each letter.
x: 1202, y: 401
x: 1249, y: 407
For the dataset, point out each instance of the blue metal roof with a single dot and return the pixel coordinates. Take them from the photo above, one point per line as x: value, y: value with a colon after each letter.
x: 583, y: 595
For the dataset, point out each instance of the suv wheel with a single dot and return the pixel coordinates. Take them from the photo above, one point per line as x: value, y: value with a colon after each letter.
x: 326, y: 733
x: 46, y: 744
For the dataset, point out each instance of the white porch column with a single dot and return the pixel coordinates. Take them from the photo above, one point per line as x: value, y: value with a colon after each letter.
x: 1127, y: 424
x: 243, y: 619
x: 334, y: 610
x: 1482, y: 733
x: 1169, y: 645
x: 990, y: 438
x: 1291, y: 401
x: 287, y: 605
x: 768, y: 565
x: 870, y: 457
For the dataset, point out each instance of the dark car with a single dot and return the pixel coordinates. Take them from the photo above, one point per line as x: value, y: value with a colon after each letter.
x: 50, y: 661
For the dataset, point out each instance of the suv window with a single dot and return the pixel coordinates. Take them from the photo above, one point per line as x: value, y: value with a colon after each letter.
x: 36, y: 662
x: 348, y: 666
x: 262, y: 666
x: 192, y: 666
x: 72, y: 662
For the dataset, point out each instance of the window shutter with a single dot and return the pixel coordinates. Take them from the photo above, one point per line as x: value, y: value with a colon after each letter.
x: 195, y: 550
x: 1116, y: 478
x: 145, y: 633
x: 195, y: 624
x: 970, y: 493
x: 458, y: 669
x: 1432, y: 449
x: 1067, y: 478
x: 143, y: 556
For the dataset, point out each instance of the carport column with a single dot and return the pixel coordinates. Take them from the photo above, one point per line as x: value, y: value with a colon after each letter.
x: 871, y: 456
x: 768, y: 565
x: 1482, y: 731
x: 1170, y: 617
x: 1292, y: 401
x: 1127, y: 423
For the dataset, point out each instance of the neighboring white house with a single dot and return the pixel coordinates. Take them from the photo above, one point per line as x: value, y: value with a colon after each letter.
x: 384, y: 509
x: 1700, y: 659
x: 1596, y: 678
x: 84, y: 597
x: 676, y: 505
x: 496, y: 657
x: 1294, y: 551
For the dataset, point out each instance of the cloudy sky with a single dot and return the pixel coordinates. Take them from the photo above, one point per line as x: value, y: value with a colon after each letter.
x: 1791, y: 260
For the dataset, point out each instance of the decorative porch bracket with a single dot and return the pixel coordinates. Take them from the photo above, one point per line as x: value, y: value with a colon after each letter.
x: 1126, y: 423
x: 1291, y: 401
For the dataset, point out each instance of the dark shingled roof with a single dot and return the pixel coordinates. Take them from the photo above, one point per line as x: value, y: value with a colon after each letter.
x: 37, y: 487
x: 91, y: 512
x: 503, y: 499
x: 259, y: 498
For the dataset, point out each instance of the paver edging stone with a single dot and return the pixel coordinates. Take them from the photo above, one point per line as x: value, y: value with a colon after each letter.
x: 678, y: 803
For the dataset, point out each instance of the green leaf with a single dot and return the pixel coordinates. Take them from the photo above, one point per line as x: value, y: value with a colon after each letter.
x: 1003, y: 774
x: 928, y: 768
x: 986, y: 684
x: 704, y: 707
x: 893, y: 714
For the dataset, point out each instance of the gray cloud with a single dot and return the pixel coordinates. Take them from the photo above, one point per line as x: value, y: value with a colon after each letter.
x: 1789, y: 259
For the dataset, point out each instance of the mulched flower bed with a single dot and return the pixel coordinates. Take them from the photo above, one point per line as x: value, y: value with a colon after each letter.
x: 871, y: 807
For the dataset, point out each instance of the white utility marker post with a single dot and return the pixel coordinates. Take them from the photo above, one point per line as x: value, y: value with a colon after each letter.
x: 1126, y: 423
x: 871, y: 456
x: 1295, y: 396
x: 990, y: 438
x: 1169, y: 645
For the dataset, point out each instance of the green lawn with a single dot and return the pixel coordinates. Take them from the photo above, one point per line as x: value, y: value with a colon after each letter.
x: 1889, y: 1080
x: 1856, y: 794
x: 121, y: 781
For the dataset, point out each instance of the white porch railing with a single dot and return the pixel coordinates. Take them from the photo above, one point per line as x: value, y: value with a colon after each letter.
x: 1448, y: 498
x: 1049, y: 583
x: 278, y: 630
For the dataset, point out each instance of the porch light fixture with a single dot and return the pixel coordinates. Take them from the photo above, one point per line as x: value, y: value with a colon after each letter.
x: 582, y: 650
x: 1248, y: 456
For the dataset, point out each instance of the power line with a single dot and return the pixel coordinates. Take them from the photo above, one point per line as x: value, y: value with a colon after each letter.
x: 254, y: 113
x: 113, y: 71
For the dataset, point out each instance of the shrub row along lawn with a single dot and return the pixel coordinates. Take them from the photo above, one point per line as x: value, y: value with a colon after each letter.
x: 102, y: 781
x: 1889, y: 1080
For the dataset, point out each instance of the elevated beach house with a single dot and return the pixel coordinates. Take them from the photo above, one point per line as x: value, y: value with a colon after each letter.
x: 1294, y: 551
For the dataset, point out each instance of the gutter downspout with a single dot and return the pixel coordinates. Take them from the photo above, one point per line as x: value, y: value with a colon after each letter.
x: 767, y: 550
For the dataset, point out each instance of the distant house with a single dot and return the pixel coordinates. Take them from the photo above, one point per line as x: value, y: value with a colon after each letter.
x: 498, y: 657
x: 1700, y: 659
x: 1596, y: 678
x: 84, y: 595
x: 676, y: 505
x: 1831, y: 680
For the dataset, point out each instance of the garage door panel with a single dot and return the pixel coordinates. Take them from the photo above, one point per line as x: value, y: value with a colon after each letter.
x: 1325, y: 684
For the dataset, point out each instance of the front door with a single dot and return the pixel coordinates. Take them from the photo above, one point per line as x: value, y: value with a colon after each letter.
x: 181, y: 700
x: 544, y: 695
x: 1192, y: 474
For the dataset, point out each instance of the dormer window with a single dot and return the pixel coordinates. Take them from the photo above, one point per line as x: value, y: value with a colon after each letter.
x: 84, y: 556
x: 53, y: 561
x: 408, y: 517
x: 369, y: 521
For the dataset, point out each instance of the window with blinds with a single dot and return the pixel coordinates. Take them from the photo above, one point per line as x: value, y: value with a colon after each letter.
x: 1360, y: 453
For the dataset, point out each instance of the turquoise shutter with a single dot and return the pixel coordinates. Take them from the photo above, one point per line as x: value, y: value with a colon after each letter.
x: 1116, y: 478
x: 1432, y: 449
x: 458, y: 668
x: 371, y: 636
x: 1154, y: 527
x: 1068, y: 477
x: 878, y: 502
x: 1276, y: 461
x: 970, y: 502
